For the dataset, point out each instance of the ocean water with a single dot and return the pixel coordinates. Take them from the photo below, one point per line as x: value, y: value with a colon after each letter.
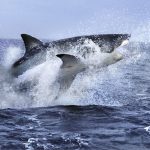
x: 105, y: 108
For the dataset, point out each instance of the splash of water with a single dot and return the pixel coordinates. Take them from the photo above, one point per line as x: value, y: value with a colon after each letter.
x: 94, y: 86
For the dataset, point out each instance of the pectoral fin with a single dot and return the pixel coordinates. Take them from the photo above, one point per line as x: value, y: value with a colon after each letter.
x: 69, y: 60
x: 70, y: 68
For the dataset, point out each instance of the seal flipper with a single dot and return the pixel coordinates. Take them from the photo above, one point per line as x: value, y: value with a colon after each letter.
x: 30, y: 42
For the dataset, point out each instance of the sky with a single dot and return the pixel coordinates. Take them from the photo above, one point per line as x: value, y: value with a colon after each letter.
x: 55, y: 19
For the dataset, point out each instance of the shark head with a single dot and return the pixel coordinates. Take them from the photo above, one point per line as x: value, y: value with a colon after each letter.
x: 124, y: 40
x: 109, y: 42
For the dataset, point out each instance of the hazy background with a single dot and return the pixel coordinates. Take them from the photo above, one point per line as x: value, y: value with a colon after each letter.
x: 64, y: 18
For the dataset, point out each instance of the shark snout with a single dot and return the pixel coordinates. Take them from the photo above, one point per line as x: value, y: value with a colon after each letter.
x: 125, y: 39
x: 125, y: 42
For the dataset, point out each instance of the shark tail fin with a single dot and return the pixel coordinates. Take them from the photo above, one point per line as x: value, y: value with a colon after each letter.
x: 30, y: 42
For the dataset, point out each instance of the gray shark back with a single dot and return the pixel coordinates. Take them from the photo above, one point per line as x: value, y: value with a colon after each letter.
x: 106, y: 42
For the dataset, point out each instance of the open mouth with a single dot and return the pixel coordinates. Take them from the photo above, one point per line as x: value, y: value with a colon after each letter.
x: 125, y: 42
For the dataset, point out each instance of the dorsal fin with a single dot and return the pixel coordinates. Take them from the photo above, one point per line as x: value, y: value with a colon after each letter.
x: 30, y: 42
x: 68, y: 60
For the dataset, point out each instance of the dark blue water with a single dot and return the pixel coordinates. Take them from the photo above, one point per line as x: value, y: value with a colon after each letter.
x: 114, y: 113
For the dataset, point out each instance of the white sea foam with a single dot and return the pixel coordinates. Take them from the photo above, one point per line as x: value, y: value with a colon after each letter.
x: 147, y: 129
x: 11, y: 55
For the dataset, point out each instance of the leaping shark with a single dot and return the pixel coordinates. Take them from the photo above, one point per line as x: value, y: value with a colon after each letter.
x: 36, y: 52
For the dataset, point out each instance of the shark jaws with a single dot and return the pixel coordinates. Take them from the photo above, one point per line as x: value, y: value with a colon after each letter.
x: 36, y: 52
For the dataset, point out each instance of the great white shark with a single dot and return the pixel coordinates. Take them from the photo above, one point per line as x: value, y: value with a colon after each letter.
x: 36, y: 51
